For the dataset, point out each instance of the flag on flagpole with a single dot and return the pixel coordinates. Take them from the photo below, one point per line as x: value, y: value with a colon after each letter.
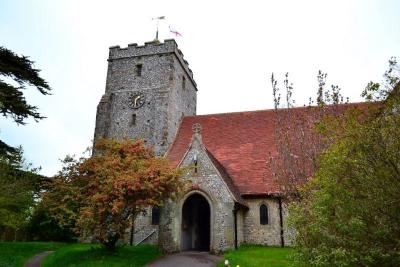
x: 174, y: 32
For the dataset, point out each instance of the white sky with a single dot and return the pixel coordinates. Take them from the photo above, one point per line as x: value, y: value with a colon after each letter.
x: 231, y: 46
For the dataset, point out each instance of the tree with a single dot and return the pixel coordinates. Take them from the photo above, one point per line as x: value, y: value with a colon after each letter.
x: 100, y: 195
x: 350, y: 210
x: 19, y: 182
x: 43, y: 227
x: 299, y: 144
x: 19, y: 187
x: 12, y: 101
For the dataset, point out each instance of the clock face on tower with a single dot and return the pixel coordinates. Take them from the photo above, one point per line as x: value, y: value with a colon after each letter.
x: 136, y: 100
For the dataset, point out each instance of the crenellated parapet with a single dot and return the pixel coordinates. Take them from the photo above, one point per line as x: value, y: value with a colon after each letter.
x: 169, y: 46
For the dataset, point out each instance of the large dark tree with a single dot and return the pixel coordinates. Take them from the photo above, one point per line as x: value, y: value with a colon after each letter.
x: 19, y: 182
x: 18, y: 73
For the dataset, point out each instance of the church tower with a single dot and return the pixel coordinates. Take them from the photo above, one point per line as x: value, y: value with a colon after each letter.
x: 148, y: 90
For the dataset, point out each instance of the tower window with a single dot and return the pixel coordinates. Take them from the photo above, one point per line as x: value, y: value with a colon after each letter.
x: 155, y: 215
x: 138, y: 70
x: 133, y: 120
x: 183, y: 82
x: 263, y: 214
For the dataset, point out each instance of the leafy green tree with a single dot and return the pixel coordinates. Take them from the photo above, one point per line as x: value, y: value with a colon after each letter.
x: 13, y: 104
x: 43, y: 227
x: 101, y: 195
x: 19, y: 187
x: 350, y: 211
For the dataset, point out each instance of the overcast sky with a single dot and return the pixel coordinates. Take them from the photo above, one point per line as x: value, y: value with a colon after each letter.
x: 231, y: 46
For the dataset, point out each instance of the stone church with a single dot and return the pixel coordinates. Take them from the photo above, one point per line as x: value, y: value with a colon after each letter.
x: 151, y: 94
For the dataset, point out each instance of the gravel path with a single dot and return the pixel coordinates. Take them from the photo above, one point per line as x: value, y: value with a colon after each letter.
x: 36, y: 261
x: 187, y: 259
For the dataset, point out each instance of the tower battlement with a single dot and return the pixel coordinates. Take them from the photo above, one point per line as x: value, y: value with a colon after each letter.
x: 169, y: 46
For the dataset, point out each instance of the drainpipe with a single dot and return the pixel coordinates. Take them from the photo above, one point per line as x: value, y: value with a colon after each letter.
x: 281, y: 221
x: 235, y: 210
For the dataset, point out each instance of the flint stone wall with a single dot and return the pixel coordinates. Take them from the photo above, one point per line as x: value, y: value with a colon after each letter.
x: 269, y: 234
x: 143, y: 230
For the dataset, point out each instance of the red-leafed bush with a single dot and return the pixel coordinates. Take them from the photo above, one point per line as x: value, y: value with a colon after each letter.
x: 99, y: 196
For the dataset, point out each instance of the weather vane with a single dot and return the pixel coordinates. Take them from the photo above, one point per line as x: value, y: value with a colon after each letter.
x: 158, y: 21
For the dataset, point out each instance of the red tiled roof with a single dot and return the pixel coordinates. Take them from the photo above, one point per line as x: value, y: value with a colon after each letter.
x: 241, y: 142
x: 228, y: 180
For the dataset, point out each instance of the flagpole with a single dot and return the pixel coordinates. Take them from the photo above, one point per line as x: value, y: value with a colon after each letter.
x: 158, y: 21
x: 157, y: 30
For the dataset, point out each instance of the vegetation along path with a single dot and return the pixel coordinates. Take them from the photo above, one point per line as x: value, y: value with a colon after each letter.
x: 258, y: 256
x: 16, y: 254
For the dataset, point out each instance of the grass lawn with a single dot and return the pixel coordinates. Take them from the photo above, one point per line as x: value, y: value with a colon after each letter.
x: 95, y: 255
x: 257, y: 256
x: 14, y: 254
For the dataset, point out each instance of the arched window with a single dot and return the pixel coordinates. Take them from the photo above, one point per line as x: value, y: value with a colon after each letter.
x: 155, y: 215
x: 263, y: 214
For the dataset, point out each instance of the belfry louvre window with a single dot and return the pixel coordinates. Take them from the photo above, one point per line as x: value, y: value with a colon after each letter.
x: 138, y: 70
x: 155, y: 215
x: 263, y: 214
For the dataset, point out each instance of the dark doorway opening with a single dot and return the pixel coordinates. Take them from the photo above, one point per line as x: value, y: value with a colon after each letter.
x: 195, y: 224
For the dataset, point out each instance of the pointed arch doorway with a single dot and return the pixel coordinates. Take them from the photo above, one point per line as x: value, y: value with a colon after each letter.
x: 195, y: 224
